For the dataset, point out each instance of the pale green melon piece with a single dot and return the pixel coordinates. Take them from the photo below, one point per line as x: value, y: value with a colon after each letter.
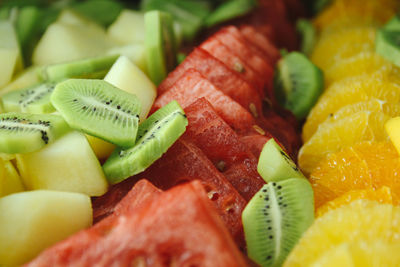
x: 25, y: 79
x: 128, y: 28
x: 68, y: 16
x: 135, y: 52
x: 126, y: 76
x: 32, y: 221
x: 68, y: 164
x: 102, y: 149
x: 10, y: 54
x: 10, y: 181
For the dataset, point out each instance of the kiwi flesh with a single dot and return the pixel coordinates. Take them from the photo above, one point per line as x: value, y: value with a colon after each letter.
x: 98, y: 108
x: 155, y: 136
x: 23, y: 132
x: 275, y: 165
x: 160, y: 45
x: 103, y: 12
x: 275, y: 219
x: 34, y: 99
x: 308, y: 35
x: 229, y: 10
x: 393, y: 24
x: 297, y: 83
x: 90, y: 68
x: 387, y: 44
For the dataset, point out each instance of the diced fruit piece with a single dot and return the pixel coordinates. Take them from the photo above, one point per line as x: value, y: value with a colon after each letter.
x: 275, y: 165
x: 392, y: 128
x: 68, y: 164
x: 128, y: 28
x: 388, y: 45
x: 103, y: 12
x: 102, y: 149
x: 255, y: 142
x: 308, y: 35
x: 298, y: 84
x: 27, y: 78
x: 155, y: 135
x: 173, y: 228
x: 96, y: 67
x: 229, y: 10
x: 10, y: 54
x: 10, y: 181
x: 23, y: 133
x: 223, y: 147
x: 39, y: 219
x: 393, y: 24
x: 160, y: 45
x: 275, y: 219
x: 35, y: 99
x: 135, y: 52
x: 126, y: 76
x: 98, y: 108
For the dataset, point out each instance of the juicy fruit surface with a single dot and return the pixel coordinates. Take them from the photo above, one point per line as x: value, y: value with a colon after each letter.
x: 10, y: 181
x: 358, y: 223
x: 363, y: 166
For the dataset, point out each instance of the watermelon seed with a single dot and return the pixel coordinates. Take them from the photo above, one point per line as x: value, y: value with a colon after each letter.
x: 221, y: 165
x: 258, y: 129
x: 212, y: 195
x: 238, y: 67
x: 253, y: 110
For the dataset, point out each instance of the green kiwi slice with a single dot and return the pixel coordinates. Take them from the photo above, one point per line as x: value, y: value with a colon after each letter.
x: 98, y: 108
x: 160, y: 44
x: 34, y: 99
x: 229, y: 10
x: 393, y: 24
x: 275, y: 165
x: 298, y: 83
x: 275, y: 219
x: 308, y: 35
x: 90, y: 68
x: 387, y: 44
x: 23, y: 132
x: 155, y: 136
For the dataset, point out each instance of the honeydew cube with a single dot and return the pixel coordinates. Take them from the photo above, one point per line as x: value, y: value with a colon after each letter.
x: 102, y: 149
x: 25, y: 79
x: 135, y: 52
x: 10, y: 55
x: 10, y: 182
x: 32, y: 221
x: 392, y: 128
x: 128, y: 77
x: 68, y: 164
x: 128, y: 28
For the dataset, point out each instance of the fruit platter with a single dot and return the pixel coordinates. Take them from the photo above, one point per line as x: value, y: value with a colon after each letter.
x: 200, y: 133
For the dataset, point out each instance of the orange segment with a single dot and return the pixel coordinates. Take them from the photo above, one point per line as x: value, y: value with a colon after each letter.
x: 368, y: 165
x: 382, y: 195
x: 350, y: 91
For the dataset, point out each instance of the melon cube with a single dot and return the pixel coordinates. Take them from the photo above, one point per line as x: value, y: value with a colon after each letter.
x: 32, y: 221
x: 128, y: 28
x: 68, y: 164
x: 25, y: 79
x: 10, y: 182
x: 135, y: 52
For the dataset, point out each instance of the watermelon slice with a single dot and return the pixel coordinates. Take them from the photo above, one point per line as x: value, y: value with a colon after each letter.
x: 192, y: 85
x: 179, y: 227
x: 227, y: 80
x: 222, y: 52
x: 223, y: 147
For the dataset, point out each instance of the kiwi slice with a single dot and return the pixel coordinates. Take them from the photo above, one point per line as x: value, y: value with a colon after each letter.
x: 275, y: 165
x: 275, y: 219
x: 103, y: 12
x: 308, y: 35
x: 23, y: 132
x: 34, y: 99
x: 229, y: 10
x: 160, y: 45
x: 98, y: 108
x: 298, y: 83
x: 387, y: 44
x: 90, y: 68
x: 393, y: 24
x: 155, y: 136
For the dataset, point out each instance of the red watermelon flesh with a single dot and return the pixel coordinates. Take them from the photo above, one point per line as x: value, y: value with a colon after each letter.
x: 184, y: 162
x: 223, y: 147
x: 179, y: 227
x: 262, y: 42
x: 255, y: 143
x: 235, y: 63
x: 227, y: 80
x: 192, y: 85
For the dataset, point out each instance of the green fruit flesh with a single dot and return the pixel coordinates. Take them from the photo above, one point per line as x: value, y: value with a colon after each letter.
x: 308, y: 35
x: 155, y: 136
x: 393, y: 24
x: 103, y: 12
x: 99, y: 109
x: 229, y: 10
x: 275, y: 219
x: 387, y: 44
x: 128, y: 28
x: 275, y: 165
x: 298, y: 83
x: 35, y: 99
x: 23, y: 133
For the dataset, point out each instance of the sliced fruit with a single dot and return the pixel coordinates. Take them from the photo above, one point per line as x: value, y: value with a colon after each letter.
x: 126, y: 76
x: 275, y: 165
x: 358, y: 223
x: 308, y: 36
x: 393, y: 24
x: 35, y: 99
x: 392, y: 128
x: 98, y: 108
x: 23, y: 133
x: 155, y: 135
x: 298, y: 84
x: 135, y: 52
x: 81, y: 170
x: 388, y: 45
x: 25, y: 79
x: 42, y: 223
x: 102, y: 149
x: 229, y: 10
x: 160, y: 45
x: 103, y: 12
x: 10, y: 181
x: 128, y: 28
x: 275, y: 219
